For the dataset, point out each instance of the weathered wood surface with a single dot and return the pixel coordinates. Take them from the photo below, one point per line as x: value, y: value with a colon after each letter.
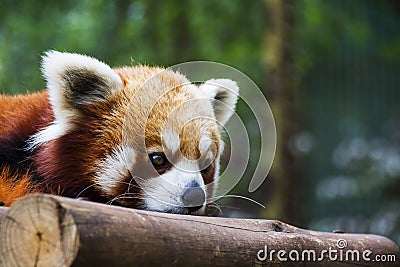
x: 3, y: 211
x: 45, y: 230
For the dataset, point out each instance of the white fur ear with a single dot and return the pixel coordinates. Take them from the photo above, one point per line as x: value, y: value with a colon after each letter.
x: 75, y: 80
x: 223, y: 94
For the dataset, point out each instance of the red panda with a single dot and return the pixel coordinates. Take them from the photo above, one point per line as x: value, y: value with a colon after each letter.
x: 141, y: 137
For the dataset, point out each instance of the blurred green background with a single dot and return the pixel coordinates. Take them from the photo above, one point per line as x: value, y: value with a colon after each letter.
x: 330, y: 70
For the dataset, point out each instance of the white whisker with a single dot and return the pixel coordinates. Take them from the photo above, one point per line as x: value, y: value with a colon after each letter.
x: 82, y: 191
x: 238, y: 196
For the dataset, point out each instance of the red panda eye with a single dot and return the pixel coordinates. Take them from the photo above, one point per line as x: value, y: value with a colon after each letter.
x: 159, y: 160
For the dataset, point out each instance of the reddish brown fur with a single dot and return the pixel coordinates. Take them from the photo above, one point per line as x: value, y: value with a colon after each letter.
x: 91, y: 139
x: 14, y: 185
x: 66, y: 165
x: 24, y: 114
x: 20, y: 117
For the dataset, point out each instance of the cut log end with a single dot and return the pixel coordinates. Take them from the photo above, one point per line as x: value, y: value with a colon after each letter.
x: 40, y: 232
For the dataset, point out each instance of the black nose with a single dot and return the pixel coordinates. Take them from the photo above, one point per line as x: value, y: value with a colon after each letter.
x: 194, y: 197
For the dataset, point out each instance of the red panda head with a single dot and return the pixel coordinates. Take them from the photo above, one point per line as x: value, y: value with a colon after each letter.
x: 139, y: 136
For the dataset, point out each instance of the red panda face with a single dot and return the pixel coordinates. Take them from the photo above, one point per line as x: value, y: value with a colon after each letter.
x: 137, y: 136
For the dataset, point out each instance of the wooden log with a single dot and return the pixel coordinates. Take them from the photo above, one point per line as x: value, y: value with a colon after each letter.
x: 3, y: 211
x: 45, y: 230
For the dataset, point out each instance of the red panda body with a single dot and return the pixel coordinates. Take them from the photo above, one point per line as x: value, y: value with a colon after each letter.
x: 20, y: 118
x: 139, y: 137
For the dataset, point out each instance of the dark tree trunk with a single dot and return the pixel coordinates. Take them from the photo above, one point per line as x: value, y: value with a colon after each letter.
x: 285, y: 181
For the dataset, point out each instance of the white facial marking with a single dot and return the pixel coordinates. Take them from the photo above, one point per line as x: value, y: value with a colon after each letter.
x: 114, y: 168
x: 204, y: 144
x: 171, y: 140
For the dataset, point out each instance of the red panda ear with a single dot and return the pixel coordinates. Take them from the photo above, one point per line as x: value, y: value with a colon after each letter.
x: 223, y: 94
x: 75, y: 80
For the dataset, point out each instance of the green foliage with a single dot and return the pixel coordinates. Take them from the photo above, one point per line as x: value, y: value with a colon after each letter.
x: 128, y: 32
x: 347, y: 64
